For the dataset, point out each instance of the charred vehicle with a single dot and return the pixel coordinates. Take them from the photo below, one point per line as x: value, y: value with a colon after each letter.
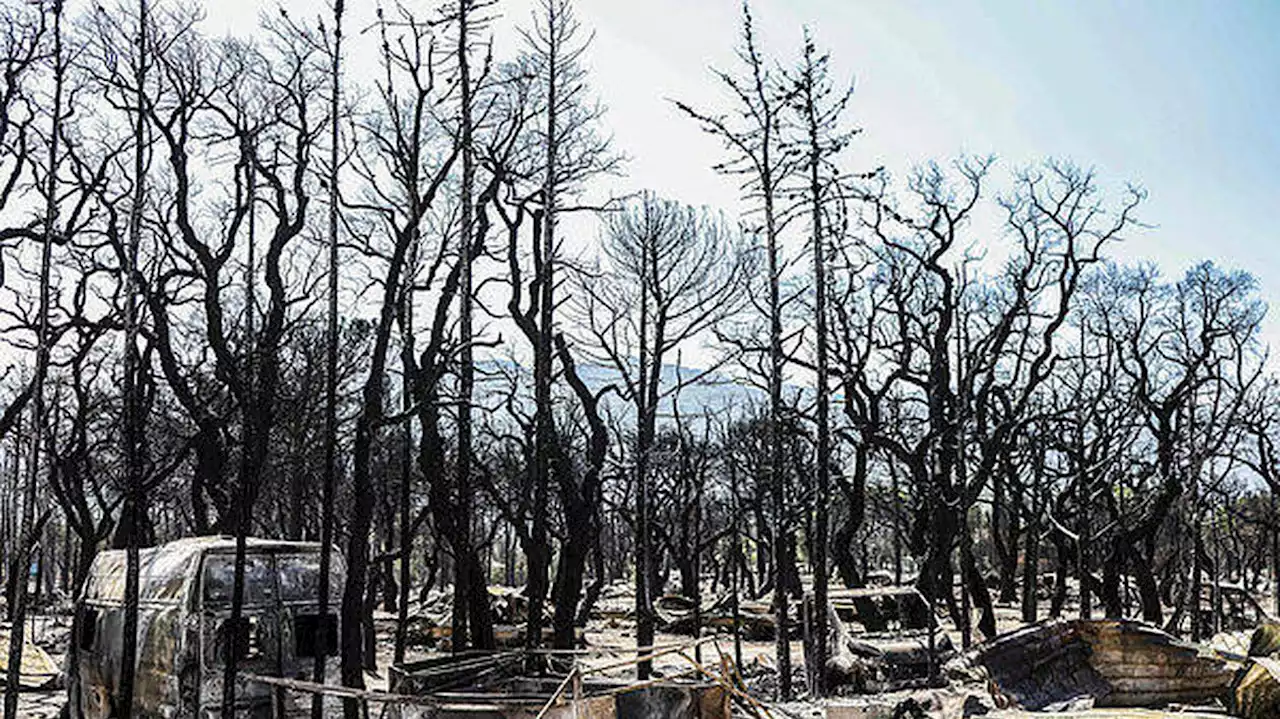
x: 1223, y: 607
x: 185, y: 628
x: 886, y: 638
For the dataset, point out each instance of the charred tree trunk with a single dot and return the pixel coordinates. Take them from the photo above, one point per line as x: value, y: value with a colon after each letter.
x: 816, y: 123
x: 1030, y: 565
x: 469, y: 572
x: 598, y: 579
x: 581, y: 501
x: 977, y: 587
x: 1110, y: 589
x: 1148, y: 590
x: 330, y: 479
x: 132, y: 406
x: 406, y: 466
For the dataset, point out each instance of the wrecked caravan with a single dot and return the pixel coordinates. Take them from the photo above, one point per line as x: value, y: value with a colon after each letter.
x: 184, y: 617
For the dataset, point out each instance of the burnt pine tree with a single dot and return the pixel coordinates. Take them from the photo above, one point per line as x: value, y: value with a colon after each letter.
x: 411, y: 128
x: 132, y: 421
x: 752, y: 134
x: 669, y: 273
x: 467, y: 17
x: 573, y: 152
x: 330, y: 478
x: 821, y: 137
x: 401, y: 133
x: 401, y: 212
x: 539, y: 558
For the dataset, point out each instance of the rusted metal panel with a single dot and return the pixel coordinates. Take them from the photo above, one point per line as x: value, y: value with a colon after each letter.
x: 1115, y: 663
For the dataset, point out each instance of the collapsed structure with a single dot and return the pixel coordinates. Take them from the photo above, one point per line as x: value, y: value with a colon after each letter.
x: 1061, y: 664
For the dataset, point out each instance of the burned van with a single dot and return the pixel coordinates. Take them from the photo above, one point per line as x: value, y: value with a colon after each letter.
x: 185, y: 631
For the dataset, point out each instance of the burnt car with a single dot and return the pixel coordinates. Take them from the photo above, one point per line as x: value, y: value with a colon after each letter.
x: 1224, y: 608
x: 185, y: 629
x: 895, y: 633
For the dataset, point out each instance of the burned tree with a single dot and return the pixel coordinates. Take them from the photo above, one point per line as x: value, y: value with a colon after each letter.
x: 330, y: 476
x: 554, y: 148
x: 822, y: 137
x: 974, y: 351
x: 752, y: 135
x: 404, y: 120
x: 1188, y: 359
x: 573, y: 153
x: 21, y: 559
x: 669, y: 274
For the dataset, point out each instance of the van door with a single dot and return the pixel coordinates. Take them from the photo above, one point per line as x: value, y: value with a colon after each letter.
x: 255, y: 639
x: 304, y: 630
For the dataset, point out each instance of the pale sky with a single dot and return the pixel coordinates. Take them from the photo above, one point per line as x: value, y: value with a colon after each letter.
x: 1179, y: 96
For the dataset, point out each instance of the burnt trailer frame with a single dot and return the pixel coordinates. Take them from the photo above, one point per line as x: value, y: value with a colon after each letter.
x: 184, y: 612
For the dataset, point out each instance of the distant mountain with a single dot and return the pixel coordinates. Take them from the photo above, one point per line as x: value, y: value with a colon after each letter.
x: 714, y: 393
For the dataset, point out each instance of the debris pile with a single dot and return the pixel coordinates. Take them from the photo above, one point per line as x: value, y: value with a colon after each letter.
x: 617, y: 602
x: 431, y: 623
x: 1062, y: 665
x: 37, y: 671
x: 1255, y: 693
x: 889, y: 654
x: 482, y: 685
x: 676, y: 615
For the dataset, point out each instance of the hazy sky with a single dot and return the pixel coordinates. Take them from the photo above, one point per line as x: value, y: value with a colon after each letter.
x: 1181, y: 97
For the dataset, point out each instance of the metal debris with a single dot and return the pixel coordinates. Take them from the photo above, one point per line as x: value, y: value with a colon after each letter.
x: 484, y: 685
x: 883, y: 638
x: 1108, y: 663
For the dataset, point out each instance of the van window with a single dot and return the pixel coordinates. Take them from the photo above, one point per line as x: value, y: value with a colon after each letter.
x: 306, y: 634
x: 88, y: 629
x: 299, y: 577
x: 219, y: 579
